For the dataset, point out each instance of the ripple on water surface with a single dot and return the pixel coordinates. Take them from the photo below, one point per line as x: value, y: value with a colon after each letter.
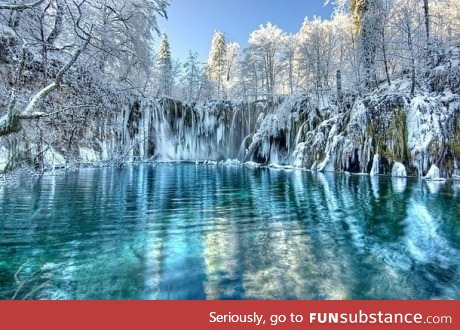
x: 216, y: 232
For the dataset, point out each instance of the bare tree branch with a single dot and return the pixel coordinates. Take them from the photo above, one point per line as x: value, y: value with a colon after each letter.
x: 57, y: 27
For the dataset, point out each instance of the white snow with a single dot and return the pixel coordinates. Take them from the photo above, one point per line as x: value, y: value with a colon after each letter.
x: 88, y: 155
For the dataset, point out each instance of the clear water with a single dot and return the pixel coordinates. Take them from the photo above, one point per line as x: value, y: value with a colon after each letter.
x: 204, y: 232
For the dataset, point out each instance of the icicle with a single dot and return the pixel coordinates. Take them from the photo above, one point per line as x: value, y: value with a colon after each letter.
x: 375, y: 166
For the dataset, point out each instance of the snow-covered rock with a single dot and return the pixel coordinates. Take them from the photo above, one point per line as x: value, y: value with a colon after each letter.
x: 252, y: 165
x: 230, y: 162
x: 398, y: 170
x: 434, y: 174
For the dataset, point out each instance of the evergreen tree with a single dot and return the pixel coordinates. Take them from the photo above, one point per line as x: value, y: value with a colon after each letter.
x: 164, y: 67
x: 191, y: 79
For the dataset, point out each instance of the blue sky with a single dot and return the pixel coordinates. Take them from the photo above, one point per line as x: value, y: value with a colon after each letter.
x: 192, y: 23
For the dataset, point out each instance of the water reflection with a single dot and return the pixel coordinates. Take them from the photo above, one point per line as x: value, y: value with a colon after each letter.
x: 204, y: 232
x: 399, y: 185
x: 434, y: 187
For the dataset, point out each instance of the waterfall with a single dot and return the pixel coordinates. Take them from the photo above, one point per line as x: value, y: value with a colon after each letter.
x: 299, y: 131
x: 174, y: 131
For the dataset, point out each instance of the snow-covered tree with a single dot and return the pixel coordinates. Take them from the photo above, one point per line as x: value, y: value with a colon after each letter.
x: 251, y: 76
x: 217, y: 62
x: 444, y: 21
x: 367, y: 25
x: 232, y: 68
x: 164, y: 67
x: 426, y: 16
x: 384, y: 37
x: 289, y: 64
x: 266, y: 44
x: 105, y: 39
x: 207, y: 87
x: 191, y: 79
x: 316, y: 52
x: 346, y: 55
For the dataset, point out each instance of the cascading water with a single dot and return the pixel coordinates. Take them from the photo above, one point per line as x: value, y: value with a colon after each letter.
x: 207, y: 131
x: 304, y: 131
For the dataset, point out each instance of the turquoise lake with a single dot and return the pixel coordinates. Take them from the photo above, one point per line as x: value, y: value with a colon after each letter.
x: 186, y: 231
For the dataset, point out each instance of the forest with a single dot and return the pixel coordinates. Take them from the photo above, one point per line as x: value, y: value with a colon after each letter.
x: 373, y: 89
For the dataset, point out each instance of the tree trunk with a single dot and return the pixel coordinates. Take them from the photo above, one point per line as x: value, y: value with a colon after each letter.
x: 385, y: 62
x: 412, y: 58
x: 339, y: 87
x: 10, y: 123
x: 57, y: 27
x: 427, y: 18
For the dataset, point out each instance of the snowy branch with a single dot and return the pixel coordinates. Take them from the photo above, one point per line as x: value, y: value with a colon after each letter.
x: 40, y: 114
x: 10, y: 123
x: 41, y: 95
x: 11, y: 6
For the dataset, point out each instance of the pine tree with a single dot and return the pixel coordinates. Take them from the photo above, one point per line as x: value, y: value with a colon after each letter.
x: 426, y: 11
x: 216, y: 66
x: 165, y: 67
x: 192, y: 77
